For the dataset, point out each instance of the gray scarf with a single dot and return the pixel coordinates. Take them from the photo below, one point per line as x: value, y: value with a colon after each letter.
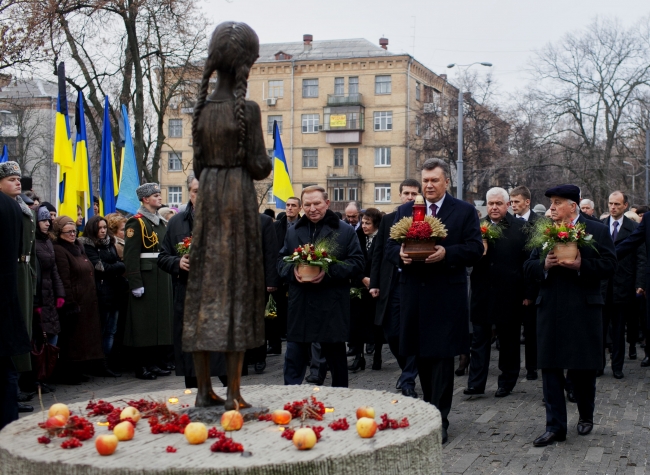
x: 24, y: 208
x: 154, y: 218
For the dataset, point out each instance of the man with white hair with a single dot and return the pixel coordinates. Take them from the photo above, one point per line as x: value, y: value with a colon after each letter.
x: 587, y: 207
x: 502, y: 265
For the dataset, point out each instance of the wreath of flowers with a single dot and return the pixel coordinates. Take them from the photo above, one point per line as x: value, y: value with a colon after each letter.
x: 431, y: 229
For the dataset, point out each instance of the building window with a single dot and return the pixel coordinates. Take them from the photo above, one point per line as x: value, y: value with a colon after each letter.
x: 175, y: 128
x: 353, y: 85
x: 175, y: 196
x: 382, y: 85
x: 383, y: 120
x: 382, y: 157
x: 382, y: 192
x: 310, y: 158
x: 338, y: 194
x: 310, y: 123
x: 353, y: 194
x: 175, y: 162
x: 270, y: 199
x: 310, y: 88
x: 269, y: 123
x: 339, y: 86
x: 417, y: 126
x: 418, y: 92
x: 338, y: 157
x: 276, y: 88
x: 353, y: 156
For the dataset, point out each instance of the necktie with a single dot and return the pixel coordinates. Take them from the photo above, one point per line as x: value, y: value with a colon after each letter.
x: 615, y: 232
x: 521, y: 217
x: 433, y: 208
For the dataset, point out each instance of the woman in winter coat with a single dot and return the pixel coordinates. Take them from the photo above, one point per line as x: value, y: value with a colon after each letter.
x: 80, y: 339
x: 116, y: 223
x: 109, y: 269
x: 50, y: 295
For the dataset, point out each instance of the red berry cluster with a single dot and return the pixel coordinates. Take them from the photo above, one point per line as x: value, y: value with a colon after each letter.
x: 339, y: 424
x: 387, y: 423
x: 265, y: 417
x: 173, y: 424
x: 287, y: 433
x: 44, y: 440
x: 71, y: 443
x: 214, y: 433
x: 420, y: 231
x: 78, y: 428
x: 170, y: 449
x: 113, y: 418
x: 99, y: 408
x: 317, y: 430
x: 226, y: 444
x: 145, y: 406
x: 312, y: 407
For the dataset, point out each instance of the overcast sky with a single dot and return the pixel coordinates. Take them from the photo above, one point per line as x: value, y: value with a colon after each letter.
x: 503, y: 32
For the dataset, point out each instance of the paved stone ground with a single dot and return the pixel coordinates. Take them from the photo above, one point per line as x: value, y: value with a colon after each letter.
x: 487, y: 435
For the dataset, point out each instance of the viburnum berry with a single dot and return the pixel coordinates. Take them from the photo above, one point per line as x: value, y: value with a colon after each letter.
x: 213, y: 433
x: 44, y: 440
x: 312, y: 407
x: 79, y: 428
x: 265, y: 417
x: 339, y: 424
x: 170, y: 449
x: 287, y: 433
x: 226, y: 444
x: 99, y: 408
x: 387, y: 423
x: 317, y: 430
x: 419, y: 230
x: 71, y: 443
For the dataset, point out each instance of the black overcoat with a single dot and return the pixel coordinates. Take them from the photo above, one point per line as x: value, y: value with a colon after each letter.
x: 321, y: 312
x: 382, y: 272
x: 434, y: 301
x: 178, y: 228
x: 570, y: 304
x: 270, y: 249
x: 498, y: 277
x: 48, y: 285
x: 630, y: 272
x: 110, y: 282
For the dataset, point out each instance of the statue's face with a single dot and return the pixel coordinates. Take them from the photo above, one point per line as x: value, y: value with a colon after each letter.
x: 315, y: 205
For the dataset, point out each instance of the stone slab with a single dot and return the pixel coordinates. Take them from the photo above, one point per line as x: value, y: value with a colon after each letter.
x: 414, y: 450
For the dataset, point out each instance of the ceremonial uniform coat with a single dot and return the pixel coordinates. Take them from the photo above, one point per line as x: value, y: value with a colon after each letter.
x: 570, y: 304
x: 149, y: 318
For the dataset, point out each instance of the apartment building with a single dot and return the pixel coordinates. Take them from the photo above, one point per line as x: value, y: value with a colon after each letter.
x: 348, y: 114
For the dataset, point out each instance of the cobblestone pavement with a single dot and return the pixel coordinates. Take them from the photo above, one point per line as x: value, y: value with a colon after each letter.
x: 487, y: 435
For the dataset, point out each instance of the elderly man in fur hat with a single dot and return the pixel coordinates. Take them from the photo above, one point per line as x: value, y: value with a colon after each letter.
x: 149, y: 317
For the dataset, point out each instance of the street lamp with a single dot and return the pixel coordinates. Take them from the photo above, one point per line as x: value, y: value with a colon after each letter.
x: 459, y: 162
x: 633, y: 176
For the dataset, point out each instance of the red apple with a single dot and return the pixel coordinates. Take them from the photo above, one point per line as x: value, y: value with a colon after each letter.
x: 281, y: 417
x: 130, y: 413
x: 124, y: 431
x: 366, y: 427
x: 196, y: 433
x: 58, y: 408
x: 232, y: 420
x: 304, y: 439
x: 366, y: 411
x: 106, y: 444
x: 55, y: 422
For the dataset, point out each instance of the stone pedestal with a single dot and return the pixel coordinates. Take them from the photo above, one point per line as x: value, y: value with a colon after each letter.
x: 413, y: 451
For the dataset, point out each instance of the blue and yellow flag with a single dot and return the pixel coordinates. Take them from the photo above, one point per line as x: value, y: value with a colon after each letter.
x: 282, y: 188
x: 63, y: 156
x: 84, y: 186
x: 107, y: 176
x: 127, y: 199
x: 5, y: 155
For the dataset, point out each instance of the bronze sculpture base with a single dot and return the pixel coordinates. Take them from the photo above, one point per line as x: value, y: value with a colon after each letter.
x: 212, y: 415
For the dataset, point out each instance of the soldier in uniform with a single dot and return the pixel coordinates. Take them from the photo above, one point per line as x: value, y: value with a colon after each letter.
x: 149, y: 318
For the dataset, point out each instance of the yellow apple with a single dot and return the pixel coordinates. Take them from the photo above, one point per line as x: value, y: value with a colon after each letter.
x: 124, y: 431
x: 366, y: 427
x: 58, y: 408
x: 366, y: 411
x: 304, y: 439
x: 106, y: 444
x: 130, y: 413
x: 281, y: 417
x: 55, y: 422
x: 196, y: 433
x: 232, y: 420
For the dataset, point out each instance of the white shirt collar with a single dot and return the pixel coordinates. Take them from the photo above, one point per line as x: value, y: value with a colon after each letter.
x: 612, y: 221
x: 437, y: 203
x: 526, y: 215
x: 576, y: 219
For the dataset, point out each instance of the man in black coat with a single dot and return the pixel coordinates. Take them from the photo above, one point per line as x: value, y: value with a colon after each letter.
x: 14, y: 339
x: 490, y: 305
x: 621, y: 290
x: 520, y: 203
x: 384, y: 279
x: 277, y: 328
x: 433, y: 293
x: 180, y: 227
x: 569, y: 317
x: 319, y: 310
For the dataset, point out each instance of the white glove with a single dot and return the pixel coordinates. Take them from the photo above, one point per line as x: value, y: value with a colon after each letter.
x: 138, y: 292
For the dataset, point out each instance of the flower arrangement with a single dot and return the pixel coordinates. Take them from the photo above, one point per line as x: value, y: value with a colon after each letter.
x: 355, y: 293
x: 184, y: 247
x: 320, y: 254
x: 490, y: 233
x: 431, y: 229
x: 545, y: 234
x: 271, y: 310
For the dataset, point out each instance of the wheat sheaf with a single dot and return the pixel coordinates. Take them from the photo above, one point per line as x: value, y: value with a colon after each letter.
x: 398, y: 230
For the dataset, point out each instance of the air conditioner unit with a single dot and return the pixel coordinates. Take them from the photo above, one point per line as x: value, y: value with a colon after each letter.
x: 320, y: 127
x: 271, y: 101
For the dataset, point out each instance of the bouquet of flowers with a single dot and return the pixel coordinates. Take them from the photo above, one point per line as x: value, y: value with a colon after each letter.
x: 546, y: 234
x: 183, y: 247
x: 271, y: 310
x: 355, y: 293
x: 320, y: 254
x: 431, y: 229
x: 490, y: 233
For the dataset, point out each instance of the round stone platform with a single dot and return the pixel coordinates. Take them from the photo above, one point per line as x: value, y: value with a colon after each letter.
x: 413, y: 450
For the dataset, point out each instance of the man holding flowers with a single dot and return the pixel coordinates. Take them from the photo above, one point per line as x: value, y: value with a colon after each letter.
x: 569, y: 308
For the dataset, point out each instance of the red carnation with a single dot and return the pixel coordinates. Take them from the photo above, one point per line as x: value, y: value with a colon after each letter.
x: 563, y: 235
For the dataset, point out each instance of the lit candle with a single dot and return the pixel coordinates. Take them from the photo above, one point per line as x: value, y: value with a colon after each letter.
x: 419, y: 209
x: 102, y: 423
x: 329, y: 409
x: 173, y: 400
x: 394, y: 401
x: 317, y: 389
x: 188, y: 391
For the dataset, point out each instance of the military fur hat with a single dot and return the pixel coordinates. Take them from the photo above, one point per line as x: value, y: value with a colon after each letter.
x: 146, y: 190
x: 9, y: 169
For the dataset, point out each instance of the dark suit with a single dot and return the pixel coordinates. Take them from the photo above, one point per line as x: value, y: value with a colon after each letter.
x: 434, y: 306
x: 385, y: 277
x: 620, y: 295
x: 529, y: 319
x: 569, y: 325
x: 500, y: 268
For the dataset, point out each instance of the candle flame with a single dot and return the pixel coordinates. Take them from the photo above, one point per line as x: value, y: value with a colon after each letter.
x: 102, y: 423
x: 281, y: 429
x: 173, y: 400
x: 317, y: 389
x: 329, y: 409
x: 394, y: 401
x: 188, y: 391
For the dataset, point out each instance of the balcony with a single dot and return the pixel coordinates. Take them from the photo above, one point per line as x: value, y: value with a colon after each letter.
x: 343, y: 124
x: 334, y: 100
x: 351, y: 172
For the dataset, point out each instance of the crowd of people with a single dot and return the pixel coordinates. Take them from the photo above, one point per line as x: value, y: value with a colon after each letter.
x: 109, y: 293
